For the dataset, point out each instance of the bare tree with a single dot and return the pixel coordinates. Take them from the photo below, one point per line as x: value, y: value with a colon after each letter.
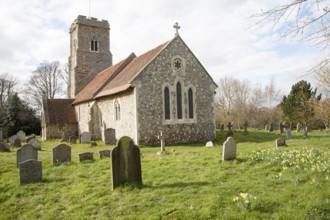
x: 7, y: 84
x: 45, y: 82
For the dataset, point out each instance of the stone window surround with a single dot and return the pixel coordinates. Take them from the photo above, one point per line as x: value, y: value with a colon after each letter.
x: 95, y: 45
x: 180, y: 71
x: 185, y: 104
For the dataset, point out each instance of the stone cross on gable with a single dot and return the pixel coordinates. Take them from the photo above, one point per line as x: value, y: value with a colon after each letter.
x: 177, y: 27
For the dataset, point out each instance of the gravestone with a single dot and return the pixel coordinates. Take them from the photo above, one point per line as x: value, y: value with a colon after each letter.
x: 85, y: 156
x: 209, y: 144
x: 266, y: 127
x: 245, y: 128
x: 104, y: 153
x: 21, y: 135
x: 281, y: 128
x: 73, y: 139
x: 4, y: 147
x: 125, y: 163
x: 27, y: 152
x: 12, y: 139
x: 230, y: 132
x: 298, y: 127
x: 30, y: 171
x: 305, y: 132
x: 36, y: 144
x: 61, y: 153
x: 161, y: 137
x: 229, y: 149
x: 110, y: 136
x: 279, y: 142
x: 17, y: 142
x: 288, y: 134
x: 271, y: 127
x: 27, y: 140
x: 85, y: 138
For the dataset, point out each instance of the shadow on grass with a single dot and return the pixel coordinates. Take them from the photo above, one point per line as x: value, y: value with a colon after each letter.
x: 181, y: 185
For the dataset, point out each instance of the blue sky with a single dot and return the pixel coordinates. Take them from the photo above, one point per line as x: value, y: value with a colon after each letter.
x: 217, y: 32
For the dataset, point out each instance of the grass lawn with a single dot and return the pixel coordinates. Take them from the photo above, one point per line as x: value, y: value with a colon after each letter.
x: 191, y: 182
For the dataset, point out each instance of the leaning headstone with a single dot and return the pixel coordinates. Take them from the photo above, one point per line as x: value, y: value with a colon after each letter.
x: 125, y: 163
x: 17, y: 142
x: 288, y: 134
x: 27, y: 152
x: 104, y: 153
x: 85, y: 156
x: 61, y: 153
x: 21, y: 135
x: 85, y: 138
x: 30, y: 171
x: 73, y: 139
x: 4, y: 147
x: 12, y: 139
x: 110, y: 136
x: 209, y: 144
x: 36, y: 144
x: 279, y: 142
x: 229, y: 149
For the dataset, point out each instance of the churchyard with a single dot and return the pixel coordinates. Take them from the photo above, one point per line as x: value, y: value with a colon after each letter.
x: 188, y: 182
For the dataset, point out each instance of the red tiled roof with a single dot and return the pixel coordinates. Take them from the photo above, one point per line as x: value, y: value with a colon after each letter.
x: 118, y: 77
x: 59, y: 111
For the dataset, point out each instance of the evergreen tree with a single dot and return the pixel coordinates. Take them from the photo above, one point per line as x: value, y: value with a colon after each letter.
x: 299, y: 105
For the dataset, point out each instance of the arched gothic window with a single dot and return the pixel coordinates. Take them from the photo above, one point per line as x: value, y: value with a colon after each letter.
x: 94, y: 46
x: 117, y: 110
x: 191, y: 103
x: 179, y: 100
x: 167, y: 103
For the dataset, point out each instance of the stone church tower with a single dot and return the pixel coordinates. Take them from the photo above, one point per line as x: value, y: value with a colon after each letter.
x: 89, y: 52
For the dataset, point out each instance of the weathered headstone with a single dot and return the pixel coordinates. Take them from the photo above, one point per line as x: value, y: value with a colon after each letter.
x: 209, y: 144
x: 30, y: 171
x: 4, y: 147
x: 21, y: 135
x: 27, y: 140
x: 73, y: 139
x: 281, y: 128
x: 279, y: 142
x: 298, y: 127
x: 271, y: 127
x: 85, y: 156
x: 230, y: 132
x: 36, y: 144
x: 104, y: 153
x: 245, y: 128
x: 161, y: 137
x: 85, y: 138
x: 126, y: 163
x: 17, y: 142
x: 288, y: 133
x: 61, y: 153
x: 229, y: 149
x: 305, y: 132
x: 27, y: 152
x: 12, y: 139
x: 110, y: 136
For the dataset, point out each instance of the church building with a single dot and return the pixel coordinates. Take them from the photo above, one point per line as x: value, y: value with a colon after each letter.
x: 165, y: 89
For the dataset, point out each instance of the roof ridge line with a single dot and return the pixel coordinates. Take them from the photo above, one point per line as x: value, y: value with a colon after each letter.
x: 127, y: 61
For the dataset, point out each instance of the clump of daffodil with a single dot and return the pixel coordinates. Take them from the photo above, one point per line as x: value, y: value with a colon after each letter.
x: 244, y: 199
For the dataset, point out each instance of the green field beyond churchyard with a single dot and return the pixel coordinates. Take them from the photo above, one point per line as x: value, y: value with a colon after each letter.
x: 191, y: 182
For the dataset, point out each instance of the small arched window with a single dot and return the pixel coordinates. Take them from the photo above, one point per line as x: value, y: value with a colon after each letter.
x: 117, y: 110
x: 179, y: 100
x: 167, y: 103
x: 94, y: 46
x: 191, y: 103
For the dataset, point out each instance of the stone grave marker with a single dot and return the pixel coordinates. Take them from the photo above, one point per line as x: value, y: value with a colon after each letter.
x: 30, y: 171
x: 281, y: 128
x: 85, y: 138
x: 161, y: 137
x: 4, y: 147
x: 26, y: 152
x: 209, y: 144
x: 110, y: 136
x: 17, y: 142
x: 85, y: 156
x: 230, y: 132
x: 21, y: 135
x: 306, y: 132
x: 61, y: 153
x: 12, y: 139
x: 229, y: 149
x: 288, y: 133
x: 298, y: 127
x: 104, y: 153
x: 73, y: 139
x: 271, y: 127
x: 27, y: 140
x: 36, y: 144
x: 125, y: 163
x: 279, y: 142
